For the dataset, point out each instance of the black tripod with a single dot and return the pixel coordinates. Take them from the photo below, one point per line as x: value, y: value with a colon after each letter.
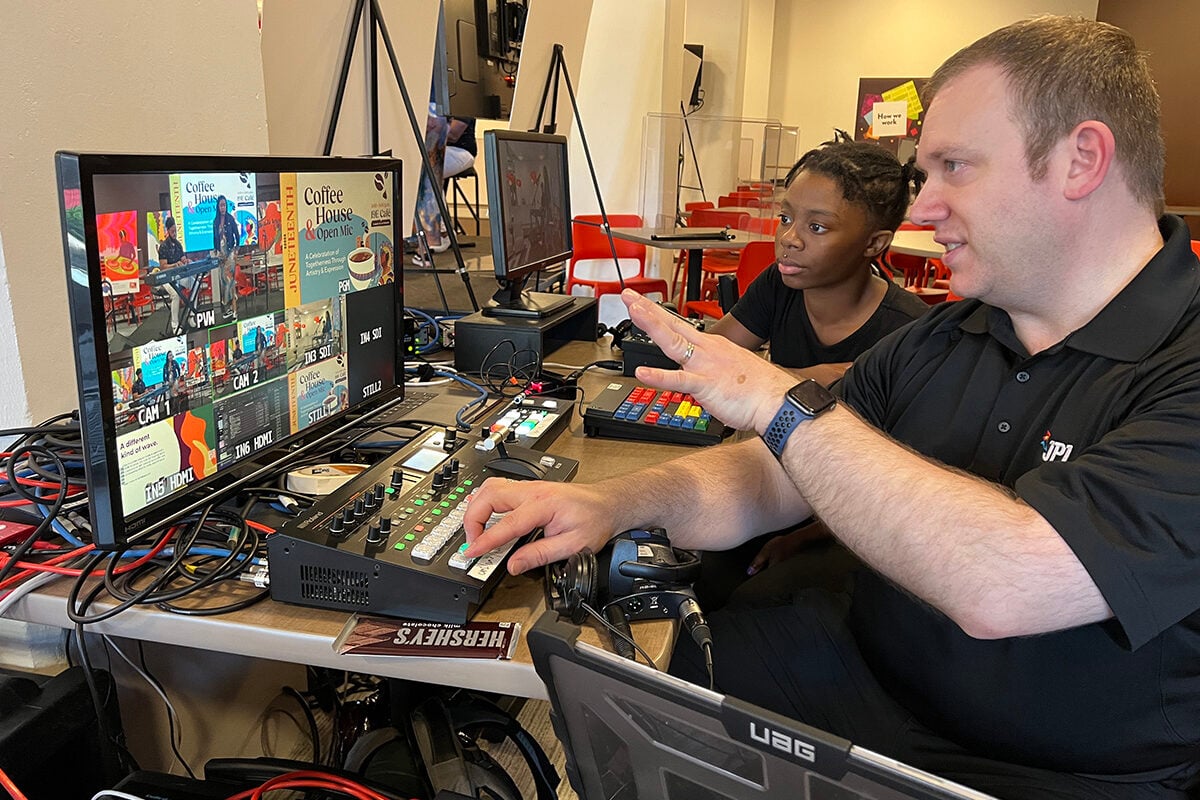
x: 377, y: 29
x: 679, y: 184
x: 558, y: 70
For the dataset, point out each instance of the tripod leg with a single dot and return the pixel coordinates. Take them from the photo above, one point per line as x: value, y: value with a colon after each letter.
x: 340, y: 92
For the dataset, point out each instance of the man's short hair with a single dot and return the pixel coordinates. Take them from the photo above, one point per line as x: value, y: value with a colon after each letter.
x: 1063, y: 71
x: 169, y: 223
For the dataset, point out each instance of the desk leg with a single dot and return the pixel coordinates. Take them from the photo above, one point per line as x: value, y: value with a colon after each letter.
x: 695, y: 257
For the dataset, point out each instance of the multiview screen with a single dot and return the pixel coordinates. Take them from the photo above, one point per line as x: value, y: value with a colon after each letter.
x: 223, y: 307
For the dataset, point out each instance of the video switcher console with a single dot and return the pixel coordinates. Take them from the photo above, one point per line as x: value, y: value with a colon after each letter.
x: 390, y: 541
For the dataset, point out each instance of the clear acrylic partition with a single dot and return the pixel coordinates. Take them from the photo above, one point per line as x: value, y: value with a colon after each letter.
x: 781, y: 149
x: 702, y: 158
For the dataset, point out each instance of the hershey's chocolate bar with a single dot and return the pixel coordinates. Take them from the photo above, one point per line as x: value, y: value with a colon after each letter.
x: 384, y: 636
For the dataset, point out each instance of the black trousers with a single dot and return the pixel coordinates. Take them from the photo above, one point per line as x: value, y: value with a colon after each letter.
x: 801, y: 660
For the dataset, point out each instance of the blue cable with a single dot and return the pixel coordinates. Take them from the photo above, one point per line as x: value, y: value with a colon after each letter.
x: 59, y: 528
x: 199, y: 551
x: 433, y: 338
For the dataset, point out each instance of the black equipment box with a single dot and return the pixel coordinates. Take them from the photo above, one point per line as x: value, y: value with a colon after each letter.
x: 640, y: 351
x: 495, y: 340
x: 50, y: 742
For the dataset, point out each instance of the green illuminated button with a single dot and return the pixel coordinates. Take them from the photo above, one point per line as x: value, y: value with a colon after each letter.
x: 418, y: 502
x: 389, y: 490
x: 468, y: 483
x: 463, y: 547
x: 437, y: 512
x: 461, y: 489
x: 444, y: 504
x: 408, y: 537
x: 401, y: 545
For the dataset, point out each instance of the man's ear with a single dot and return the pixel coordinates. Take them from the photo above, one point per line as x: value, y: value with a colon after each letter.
x: 878, y: 242
x: 1091, y: 149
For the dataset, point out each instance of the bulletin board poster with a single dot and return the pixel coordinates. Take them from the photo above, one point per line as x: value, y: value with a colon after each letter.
x: 890, y: 112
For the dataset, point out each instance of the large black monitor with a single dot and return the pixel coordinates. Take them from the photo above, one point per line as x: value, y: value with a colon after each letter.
x: 226, y: 311
x: 529, y: 194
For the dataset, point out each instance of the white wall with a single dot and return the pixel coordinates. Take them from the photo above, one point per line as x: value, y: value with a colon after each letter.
x: 113, y: 76
x: 620, y: 82
x: 302, y: 49
x: 822, y: 49
x: 757, y: 43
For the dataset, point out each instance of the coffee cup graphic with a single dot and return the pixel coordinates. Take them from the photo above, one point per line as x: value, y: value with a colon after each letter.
x: 361, y: 263
x: 330, y: 403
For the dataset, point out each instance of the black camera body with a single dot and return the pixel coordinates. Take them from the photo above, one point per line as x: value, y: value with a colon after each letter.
x: 639, y: 576
x: 647, y: 578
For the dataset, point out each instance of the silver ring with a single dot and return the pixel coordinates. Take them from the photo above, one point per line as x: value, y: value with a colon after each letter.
x: 687, y: 354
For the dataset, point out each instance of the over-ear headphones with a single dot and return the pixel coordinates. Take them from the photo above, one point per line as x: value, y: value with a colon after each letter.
x: 638, y: 576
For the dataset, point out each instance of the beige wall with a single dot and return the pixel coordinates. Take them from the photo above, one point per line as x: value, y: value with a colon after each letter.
x: 302, y: 49
x: 114, y: 76
x: 1166, y: 30
x: 822, y: 49
x: 622, y: 78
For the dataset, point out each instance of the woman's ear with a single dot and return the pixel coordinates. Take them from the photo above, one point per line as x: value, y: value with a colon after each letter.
x: 877, y: 243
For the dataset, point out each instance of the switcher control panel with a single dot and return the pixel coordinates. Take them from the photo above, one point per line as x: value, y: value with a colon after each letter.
x: 391, y: 540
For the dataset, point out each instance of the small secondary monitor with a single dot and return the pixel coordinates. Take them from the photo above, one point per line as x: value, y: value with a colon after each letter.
x: 226, y: 310
x: 530, y: 196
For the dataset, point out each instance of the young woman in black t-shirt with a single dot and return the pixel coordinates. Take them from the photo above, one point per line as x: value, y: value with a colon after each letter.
x: 823, y: 303
x: 820, y: 305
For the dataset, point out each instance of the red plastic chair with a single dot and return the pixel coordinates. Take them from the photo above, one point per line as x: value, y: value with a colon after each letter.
x: 1196, y: 247
x: 752, y: 260
x: 697, y: 205
x: 592, y: 271
x: 141, y: 300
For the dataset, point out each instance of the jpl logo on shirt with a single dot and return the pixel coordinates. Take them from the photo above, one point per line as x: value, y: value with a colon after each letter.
x: 1055, y: 451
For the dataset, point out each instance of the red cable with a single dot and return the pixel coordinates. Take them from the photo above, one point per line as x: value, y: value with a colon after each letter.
x: 310, y: 779
x: 11, y: 787
x: 29, y: 569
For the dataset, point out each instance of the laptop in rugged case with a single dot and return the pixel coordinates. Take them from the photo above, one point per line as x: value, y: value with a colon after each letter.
x: 632, y: 733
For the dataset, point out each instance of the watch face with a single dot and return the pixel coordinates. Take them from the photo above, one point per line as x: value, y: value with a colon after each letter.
x: 811, y: 397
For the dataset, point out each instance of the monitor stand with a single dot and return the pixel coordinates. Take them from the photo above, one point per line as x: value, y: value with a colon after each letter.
x: 531, y: 305
x: 510, y: 300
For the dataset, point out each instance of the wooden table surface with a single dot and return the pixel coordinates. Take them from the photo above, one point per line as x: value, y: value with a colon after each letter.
x: 302, y: 635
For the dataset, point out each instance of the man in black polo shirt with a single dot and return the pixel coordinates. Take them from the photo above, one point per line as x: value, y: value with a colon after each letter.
x: 1019, y: 469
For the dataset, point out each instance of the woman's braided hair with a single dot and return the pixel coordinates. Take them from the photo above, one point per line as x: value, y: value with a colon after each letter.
x: 868, y: 176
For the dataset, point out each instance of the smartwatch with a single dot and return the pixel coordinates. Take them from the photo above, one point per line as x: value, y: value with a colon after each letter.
x: 802, y: 402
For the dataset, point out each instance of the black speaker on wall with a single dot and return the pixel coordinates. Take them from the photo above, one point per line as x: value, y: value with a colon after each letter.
x: 693, y: 69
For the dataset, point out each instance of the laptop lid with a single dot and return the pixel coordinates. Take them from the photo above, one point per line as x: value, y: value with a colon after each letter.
x: 632, y: 733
